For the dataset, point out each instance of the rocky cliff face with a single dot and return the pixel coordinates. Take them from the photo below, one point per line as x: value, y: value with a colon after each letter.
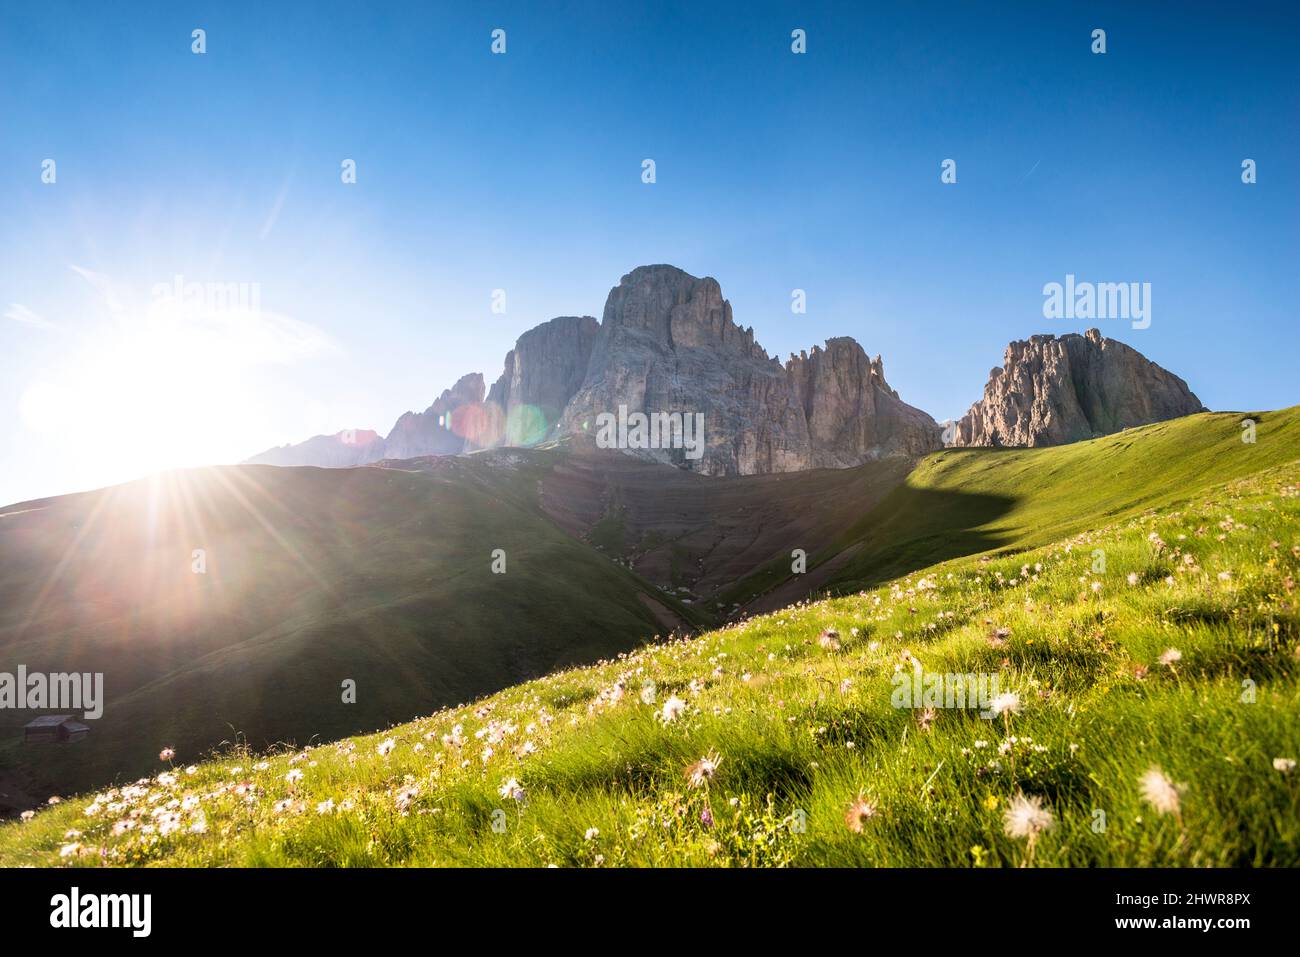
x: 668, y: 344
x: 852, y: 413
x: 1051, y: 390
x: 456, y: 422
x: 542, y: 373
x: 338, y: 451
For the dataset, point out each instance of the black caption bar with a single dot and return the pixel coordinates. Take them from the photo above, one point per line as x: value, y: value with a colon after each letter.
x: 139, y: 906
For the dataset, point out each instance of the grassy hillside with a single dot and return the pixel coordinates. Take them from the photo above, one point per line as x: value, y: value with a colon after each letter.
x: 964, y: 501
x: 379, y: 575
x: 718, y: 542
x: 312, y: 577
x: 1155, y: 721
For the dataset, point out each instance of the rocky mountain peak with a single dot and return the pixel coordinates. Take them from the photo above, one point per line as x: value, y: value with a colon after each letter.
x: 671, y: 308
x: 668, y: 343
x: 343, y: 449
x: 542, y: 372
x: 455, y: 422
x: 1051, y: 390
x: 852, y: 413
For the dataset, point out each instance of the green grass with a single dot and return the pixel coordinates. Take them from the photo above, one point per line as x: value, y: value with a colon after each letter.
x: 314, y: 576
x: 966, y: 501
x: 1076, y: 625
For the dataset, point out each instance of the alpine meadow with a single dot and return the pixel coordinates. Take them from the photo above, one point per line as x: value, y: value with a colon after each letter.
x: 462, y: 456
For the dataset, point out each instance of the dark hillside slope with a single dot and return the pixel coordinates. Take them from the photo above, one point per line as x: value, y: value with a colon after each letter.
x: 312, y: 577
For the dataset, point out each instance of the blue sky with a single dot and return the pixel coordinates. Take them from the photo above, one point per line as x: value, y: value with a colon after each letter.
x: 522, y: 171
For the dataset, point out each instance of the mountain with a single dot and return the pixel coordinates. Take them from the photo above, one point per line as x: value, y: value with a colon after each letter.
x: 542, y: 373
x: 456, y: 422
x: 852, y: 413
x: 668, y: 344
x: 1050, y: 391
x: 338, y: 451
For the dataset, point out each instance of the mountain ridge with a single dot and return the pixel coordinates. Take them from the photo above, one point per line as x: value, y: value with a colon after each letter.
x: 1051, y: 390
x: 668, y: 343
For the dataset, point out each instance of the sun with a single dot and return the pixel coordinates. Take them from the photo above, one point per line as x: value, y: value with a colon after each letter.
x: 145, y: 394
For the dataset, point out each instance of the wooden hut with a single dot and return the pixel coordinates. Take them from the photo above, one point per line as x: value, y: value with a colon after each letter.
x: 53, y: 728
